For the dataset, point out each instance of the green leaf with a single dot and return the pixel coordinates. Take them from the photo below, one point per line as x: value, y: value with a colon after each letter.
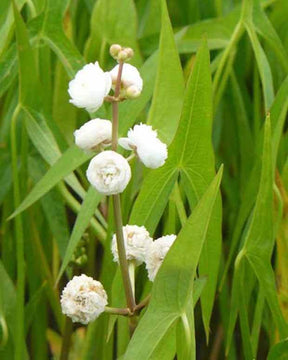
x: 67, y: 163
x: 8, y: 68
x: 192, y: 149
x: 278, y: 113
x: 259, y: 242
x: 88, y: 208
x: 191, y: 152
x: 49, y: 27
x: 45, y: 143
x: 173, y: 284
x: 279, y: 351
x: 263, y: 66
x: 267, y: 31
x: 53, y: 206
x: 218, y: 32
x: 112, y: 24
x: 31, y: 307
x: 153, y: 197
x: 6, y: 21
x: 169, y: 86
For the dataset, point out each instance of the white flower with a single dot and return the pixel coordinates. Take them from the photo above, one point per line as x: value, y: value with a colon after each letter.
x: 136, y: 240
x: 83, y: 299
x: 109, y: 172
x: 89, y: 87
x: 156, y: 253
x: 131, y: 81
x: 150, y: 150
x: 93, y: 133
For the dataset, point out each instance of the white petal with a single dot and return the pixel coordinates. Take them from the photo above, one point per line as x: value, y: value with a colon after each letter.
x: 125, y: 143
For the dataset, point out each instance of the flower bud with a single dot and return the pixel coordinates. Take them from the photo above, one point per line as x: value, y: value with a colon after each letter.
x: 122, y: 55
x: 89, y: 87
x: 136, y: 240
x: 156, y: 253
x: 93, y: 133
x: 132, y: 92
x: 130, y: 53
x: 114, y: 50
x: 109, y: 173
x: 83, y: 299
x: 150, y: 150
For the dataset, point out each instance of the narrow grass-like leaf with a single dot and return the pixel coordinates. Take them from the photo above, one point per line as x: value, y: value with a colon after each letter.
x: 8, y: 68
x: 267, y: 31
x: 7, y: 305
x: 169, y: 86
x: 45, y: 143
x: 30, y: 308
x: 263, y: 66
x: 53, y: 206
x: 6, y: 20
x: 69, y: 161
x: 259, y: 241
x: 278, y: 113
x: 88, y: 208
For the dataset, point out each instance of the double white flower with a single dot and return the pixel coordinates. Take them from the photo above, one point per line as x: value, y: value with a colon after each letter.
x: 131, y: 81
x: 83, y: 299
x: 93, y: 133
x: 144, y: 141
x: 140, y: 247
x: 89, y: 87
x: 156, y: 253
x: 109, y: 172
x: 136, y: 240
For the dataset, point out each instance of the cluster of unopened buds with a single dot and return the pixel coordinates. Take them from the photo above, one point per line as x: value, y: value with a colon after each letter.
x: 84, y: 299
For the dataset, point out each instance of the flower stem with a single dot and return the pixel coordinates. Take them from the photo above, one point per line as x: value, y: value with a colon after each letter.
x: 122, y: 253
x: 131, y: 269
x: 66, y: 339
x: 115, y: 109
x: 117, y: 311
x: 117, y: 203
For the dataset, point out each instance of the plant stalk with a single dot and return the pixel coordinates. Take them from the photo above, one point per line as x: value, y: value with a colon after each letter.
x: 66, y: 339
x: 123, y: 263
x: 20, y: 336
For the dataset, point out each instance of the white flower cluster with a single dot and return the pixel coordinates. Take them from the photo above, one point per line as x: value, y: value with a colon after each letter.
x: 140, y: 248
x: 83, y: 299
x: 110, y: 172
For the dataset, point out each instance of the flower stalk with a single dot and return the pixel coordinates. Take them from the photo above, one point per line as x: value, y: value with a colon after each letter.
x: 130, y: 300
x: 66, y: 339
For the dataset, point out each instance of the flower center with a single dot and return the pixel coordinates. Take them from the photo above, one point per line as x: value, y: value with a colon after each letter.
x: 108, y: 174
